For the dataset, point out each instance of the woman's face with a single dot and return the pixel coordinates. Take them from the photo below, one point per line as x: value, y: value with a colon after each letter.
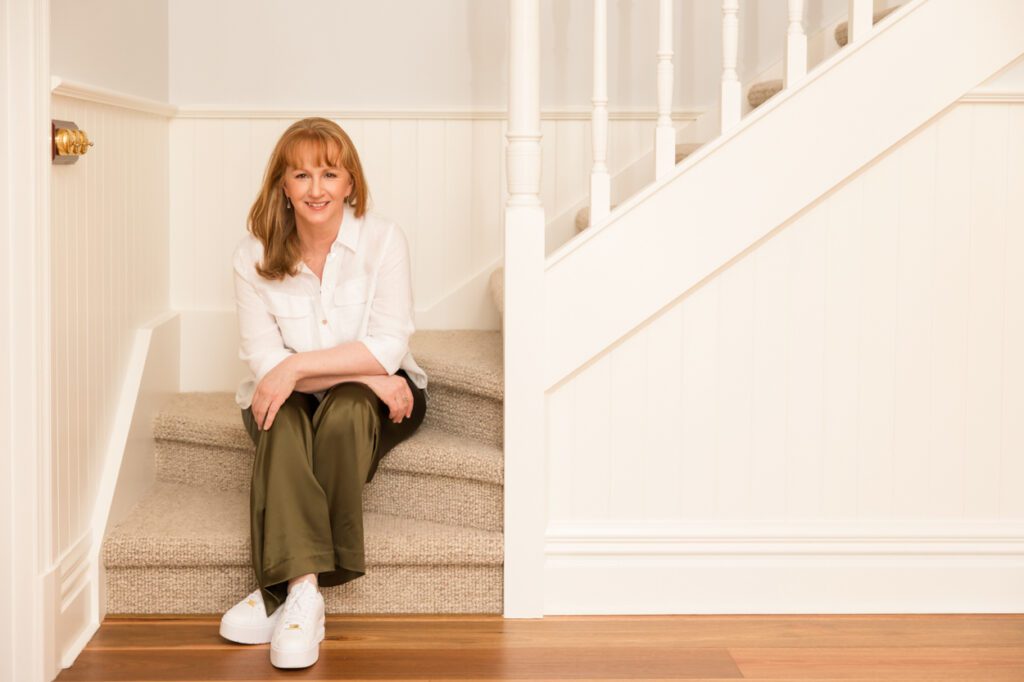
x: 317, y: 193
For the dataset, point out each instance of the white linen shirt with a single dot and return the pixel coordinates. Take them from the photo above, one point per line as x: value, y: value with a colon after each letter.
x: 365, y: 296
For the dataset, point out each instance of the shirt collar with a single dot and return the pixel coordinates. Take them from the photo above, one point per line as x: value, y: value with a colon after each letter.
x: 351, y: 226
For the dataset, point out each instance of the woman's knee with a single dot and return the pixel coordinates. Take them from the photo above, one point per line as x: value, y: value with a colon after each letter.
x: 346, y: 409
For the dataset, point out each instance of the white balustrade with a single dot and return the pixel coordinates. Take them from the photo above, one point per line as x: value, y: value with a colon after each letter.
x: 600, y: 181
x: 796, y: 44
x: 730, y: 102
x: 665, y: 133
x: 523, y: 154
x: 859, y: 24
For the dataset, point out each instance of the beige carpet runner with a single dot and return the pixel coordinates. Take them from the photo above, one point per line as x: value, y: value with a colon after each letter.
x: 433, y: 513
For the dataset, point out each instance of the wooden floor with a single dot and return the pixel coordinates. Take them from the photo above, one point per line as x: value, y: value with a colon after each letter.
x: 982, y: 648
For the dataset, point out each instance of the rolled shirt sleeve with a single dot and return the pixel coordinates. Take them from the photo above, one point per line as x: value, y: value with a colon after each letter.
x: 261, y: 346
x: 390, y: 322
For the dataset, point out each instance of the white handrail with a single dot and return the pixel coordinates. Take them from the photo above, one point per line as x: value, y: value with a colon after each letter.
x: 730, y: 101
x: 665, y: 133
x: 600, y: 181
x: 796, y: 44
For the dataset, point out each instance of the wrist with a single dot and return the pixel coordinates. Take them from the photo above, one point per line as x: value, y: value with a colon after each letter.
x: 293, y: 367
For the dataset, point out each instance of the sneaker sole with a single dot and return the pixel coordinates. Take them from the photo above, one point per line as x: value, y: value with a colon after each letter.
x: 298, y: 659
x: 248, y: 634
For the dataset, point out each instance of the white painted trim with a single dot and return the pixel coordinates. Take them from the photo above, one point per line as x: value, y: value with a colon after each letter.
x: 26, y: 543
x: 992, y: 97
x: 783, y: 585
x: 474, y: 113
x: 786, y: 539
x: 97, y: 95
x: 723, y: 567
x: 72, y: 578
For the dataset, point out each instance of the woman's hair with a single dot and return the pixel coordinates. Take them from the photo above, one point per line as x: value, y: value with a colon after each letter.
x: 270, y: 220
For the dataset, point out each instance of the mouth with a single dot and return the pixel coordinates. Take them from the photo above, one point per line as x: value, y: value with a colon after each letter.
x: 319, y: 206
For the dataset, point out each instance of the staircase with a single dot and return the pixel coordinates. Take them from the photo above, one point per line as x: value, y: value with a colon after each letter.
x: 433, y: 512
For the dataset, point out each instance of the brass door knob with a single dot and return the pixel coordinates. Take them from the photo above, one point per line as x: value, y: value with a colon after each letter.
x: 68, y: 142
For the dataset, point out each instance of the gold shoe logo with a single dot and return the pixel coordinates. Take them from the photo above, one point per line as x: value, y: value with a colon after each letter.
x: 250, y: 602
x: 294, y: 626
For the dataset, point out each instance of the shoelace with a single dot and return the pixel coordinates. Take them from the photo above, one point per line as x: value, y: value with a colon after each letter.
x: 299, y: 603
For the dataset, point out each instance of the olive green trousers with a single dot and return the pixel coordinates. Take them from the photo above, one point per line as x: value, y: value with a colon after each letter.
x: 305, y: 503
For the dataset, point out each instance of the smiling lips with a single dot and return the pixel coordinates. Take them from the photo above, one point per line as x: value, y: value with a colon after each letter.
x: 317, y: 207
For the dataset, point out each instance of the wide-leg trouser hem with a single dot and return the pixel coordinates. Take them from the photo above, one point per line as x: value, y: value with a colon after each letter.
x: 274, y: 583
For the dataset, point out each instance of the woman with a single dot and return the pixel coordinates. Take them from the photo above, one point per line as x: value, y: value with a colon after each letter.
x: 325, y: 313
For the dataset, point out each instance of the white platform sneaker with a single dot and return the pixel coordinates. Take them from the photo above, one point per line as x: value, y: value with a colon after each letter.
x: 247, y: 623
x: 296, y: 639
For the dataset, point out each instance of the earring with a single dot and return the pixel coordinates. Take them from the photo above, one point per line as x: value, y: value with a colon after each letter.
x: 287, y: 201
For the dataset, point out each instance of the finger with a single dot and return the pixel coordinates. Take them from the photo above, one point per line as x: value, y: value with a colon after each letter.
x: 271, y: 413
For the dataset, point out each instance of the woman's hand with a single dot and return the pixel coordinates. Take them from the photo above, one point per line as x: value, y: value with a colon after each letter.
x: 395, y: 393
x: 272, y: 391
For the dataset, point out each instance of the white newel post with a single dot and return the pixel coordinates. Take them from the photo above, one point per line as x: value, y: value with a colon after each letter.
x: 525, y: 457
x: 859, y: 24
x: 730, y: 79
x: 600, y: 181
x: 796, y: 44
x: 665, y: 134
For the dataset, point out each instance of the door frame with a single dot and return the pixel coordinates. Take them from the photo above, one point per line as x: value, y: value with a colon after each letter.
x: 27, y: 626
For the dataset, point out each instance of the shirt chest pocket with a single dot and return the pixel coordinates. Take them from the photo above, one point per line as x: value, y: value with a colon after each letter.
x: 295, y: 319
x: 348, y: 304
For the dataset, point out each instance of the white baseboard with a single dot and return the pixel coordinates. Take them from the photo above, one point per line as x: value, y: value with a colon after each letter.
x: 69, y: 585
x: 885, y: 567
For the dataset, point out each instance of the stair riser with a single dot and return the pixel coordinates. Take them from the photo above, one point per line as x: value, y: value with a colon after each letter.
x: 466, y: 414
x: 384, y: 589
x: 419, y: 496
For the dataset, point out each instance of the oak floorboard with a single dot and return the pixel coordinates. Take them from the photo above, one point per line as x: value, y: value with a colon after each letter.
x: 809, y: 648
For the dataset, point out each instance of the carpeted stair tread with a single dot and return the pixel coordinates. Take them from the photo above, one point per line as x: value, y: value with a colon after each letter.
x: 181, y: 525
x: 213, y: 420
x: 759, y: 93
x: 468, y: 360
x: 842, y: 33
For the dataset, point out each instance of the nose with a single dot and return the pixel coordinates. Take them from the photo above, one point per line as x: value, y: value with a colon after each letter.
x: 314, y: 189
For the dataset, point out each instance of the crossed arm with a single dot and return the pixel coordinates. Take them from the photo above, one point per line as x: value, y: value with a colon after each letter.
x: 317, y: 370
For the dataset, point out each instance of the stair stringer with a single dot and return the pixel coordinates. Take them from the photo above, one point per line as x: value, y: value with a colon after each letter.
x: 780, y: 159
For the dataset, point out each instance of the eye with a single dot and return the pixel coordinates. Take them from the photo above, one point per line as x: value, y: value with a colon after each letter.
x: 332, y: 174
x: 300, y: 175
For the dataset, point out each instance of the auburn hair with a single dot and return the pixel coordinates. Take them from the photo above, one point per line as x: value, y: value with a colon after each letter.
x: 270, y: 220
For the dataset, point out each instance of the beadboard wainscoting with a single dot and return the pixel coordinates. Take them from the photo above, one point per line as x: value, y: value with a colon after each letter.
x: 855, y: 381
x: 109, y: 221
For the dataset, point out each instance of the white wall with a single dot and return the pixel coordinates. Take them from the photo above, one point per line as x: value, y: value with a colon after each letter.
x: 347, y: 54
x: 119, y: 45
x: 858, y: 376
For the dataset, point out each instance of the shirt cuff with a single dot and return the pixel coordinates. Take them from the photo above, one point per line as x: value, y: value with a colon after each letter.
x: 269, y: 362
x: 389, y: 352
